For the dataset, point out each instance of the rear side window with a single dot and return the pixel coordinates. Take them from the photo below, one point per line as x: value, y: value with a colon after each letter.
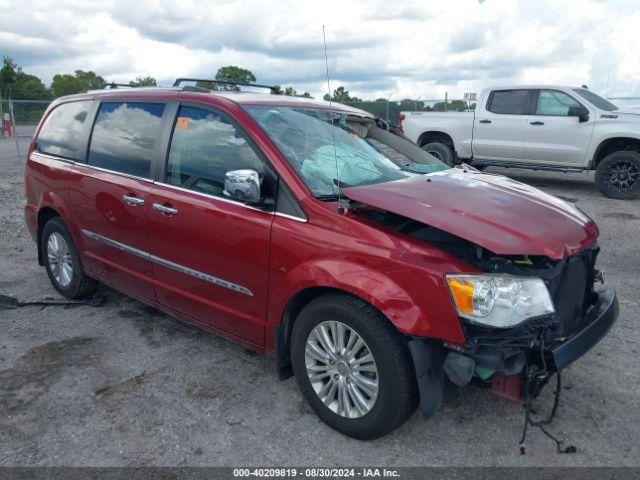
x: 512, y: 102
x: 124, y: 137
x: 205, y: 145
x: 61, y: 133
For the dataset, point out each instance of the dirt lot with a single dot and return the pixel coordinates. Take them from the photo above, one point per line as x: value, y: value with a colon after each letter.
x: 123, y: 384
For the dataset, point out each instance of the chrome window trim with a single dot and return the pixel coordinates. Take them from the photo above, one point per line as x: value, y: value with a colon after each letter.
x: 168, y: 264
x: 291, y: 217
x: 174, y: 187
x: 214, y: 197
x: 230, y: 201
x: 53, y: 157
x: 100, y: 169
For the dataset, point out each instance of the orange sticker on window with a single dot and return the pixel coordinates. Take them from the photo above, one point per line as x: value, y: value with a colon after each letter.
x: 182, y: 123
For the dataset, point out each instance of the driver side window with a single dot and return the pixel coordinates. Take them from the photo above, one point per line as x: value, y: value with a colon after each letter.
x: 555, y: 102
x: 204, y: 146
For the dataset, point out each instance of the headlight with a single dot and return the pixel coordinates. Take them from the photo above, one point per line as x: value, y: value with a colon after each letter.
x: 499, y: 301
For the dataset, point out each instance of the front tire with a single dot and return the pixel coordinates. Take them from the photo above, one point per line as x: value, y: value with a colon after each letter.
x: 441, y: 151
x: 62, y: 261
x: 352, y: 367
x: 618, y: 175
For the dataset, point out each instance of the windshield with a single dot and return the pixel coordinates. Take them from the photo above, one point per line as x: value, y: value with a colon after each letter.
x: 326, y: 153
x: 596, y: 100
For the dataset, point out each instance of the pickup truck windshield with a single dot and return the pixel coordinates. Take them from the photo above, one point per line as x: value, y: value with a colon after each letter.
x: 325, y: 152
x: 596, y: 100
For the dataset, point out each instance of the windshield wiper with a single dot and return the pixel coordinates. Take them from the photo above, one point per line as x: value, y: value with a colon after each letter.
x: 328, y: 197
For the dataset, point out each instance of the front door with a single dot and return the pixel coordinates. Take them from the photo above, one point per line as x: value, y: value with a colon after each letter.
x: 210, y: 254
x: 111, y: 195
x: 553, y: 136
x: 500, y: 127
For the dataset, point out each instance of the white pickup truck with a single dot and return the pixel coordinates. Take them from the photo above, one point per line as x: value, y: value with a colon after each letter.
x: 541, y: 128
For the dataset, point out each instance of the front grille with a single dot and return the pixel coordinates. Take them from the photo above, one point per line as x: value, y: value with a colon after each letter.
x: 573, y: 292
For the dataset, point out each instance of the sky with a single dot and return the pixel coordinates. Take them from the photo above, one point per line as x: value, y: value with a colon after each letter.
x: 401, y: 49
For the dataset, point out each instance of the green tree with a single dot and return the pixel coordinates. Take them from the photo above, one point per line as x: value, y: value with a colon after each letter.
x: 341, y: 95
x: 16, y: 84
x: 81, y: 81
x: 278, y: 90
x: 453, y: 105
x: 8, y: 76
x: 30, y: 87
x: 144, y: 82
x: 232, y: 73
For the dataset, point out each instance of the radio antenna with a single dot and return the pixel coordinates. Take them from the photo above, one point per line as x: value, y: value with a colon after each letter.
x: 333, y: 134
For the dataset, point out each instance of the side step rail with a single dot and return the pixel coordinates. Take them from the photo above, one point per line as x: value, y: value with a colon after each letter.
x: 527, y: 166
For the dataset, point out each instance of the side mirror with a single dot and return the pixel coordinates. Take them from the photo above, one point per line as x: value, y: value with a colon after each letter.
x: 243, y: 185
x: 581, y: 112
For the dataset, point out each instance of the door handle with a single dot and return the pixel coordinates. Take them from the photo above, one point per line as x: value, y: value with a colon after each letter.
x: 164, y: 209
x: 536, y: 123
x: 133, y: 200
x: 485, y: 121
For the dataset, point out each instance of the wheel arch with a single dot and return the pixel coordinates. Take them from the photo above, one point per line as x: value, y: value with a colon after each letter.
x: 436, y: 136
x: 44, y: 215
x: 292, y: 309
x: 614, y: 144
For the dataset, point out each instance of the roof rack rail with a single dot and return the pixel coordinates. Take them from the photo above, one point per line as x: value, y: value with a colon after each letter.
x: 112, y: 85
x: 273, y: 89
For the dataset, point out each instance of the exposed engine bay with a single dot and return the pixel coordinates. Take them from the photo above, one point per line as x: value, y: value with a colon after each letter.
x: 514, y: 363
x: 506, y: 350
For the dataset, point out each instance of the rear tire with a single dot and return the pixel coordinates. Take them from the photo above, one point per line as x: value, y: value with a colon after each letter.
x: 618, y: 175
x: 395, y: 395
x: 441, y: 151
x: 62, y: 261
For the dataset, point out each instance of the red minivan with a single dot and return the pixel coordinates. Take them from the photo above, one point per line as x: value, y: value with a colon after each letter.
x: 319, y: 234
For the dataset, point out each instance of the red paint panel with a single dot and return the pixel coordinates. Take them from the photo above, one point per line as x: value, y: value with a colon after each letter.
x: 97, y: 205
x: 502, y: 215
x: 400, y: 276
x: 219, y: 239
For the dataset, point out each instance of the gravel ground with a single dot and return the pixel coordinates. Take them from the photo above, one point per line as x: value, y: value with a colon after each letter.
x: 123, y: 384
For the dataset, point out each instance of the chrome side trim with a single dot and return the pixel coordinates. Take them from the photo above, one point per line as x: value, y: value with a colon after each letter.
x: 166, y: 263
x: 118, y: 245
x: 200, y: 275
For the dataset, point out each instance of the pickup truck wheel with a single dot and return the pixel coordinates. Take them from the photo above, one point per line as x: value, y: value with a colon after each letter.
x: 618, y: 175
x: 442, y: 152
x: 62, y: 261
x: 352, y: 367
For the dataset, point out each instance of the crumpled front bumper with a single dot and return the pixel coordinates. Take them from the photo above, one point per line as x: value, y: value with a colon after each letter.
x: 429, y: 357
x: 596, y: 324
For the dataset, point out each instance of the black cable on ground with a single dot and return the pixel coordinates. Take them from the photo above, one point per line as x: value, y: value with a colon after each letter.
x: 527, y: 413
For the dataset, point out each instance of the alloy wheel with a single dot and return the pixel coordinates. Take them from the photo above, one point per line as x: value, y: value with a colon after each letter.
x: 341, y: 369
x: 59, y: 258
x: 623, y: 175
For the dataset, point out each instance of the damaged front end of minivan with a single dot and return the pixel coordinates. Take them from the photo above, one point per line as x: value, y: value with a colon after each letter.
x: 525, y: 317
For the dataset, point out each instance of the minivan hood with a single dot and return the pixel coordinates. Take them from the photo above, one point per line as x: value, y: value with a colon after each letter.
x: 495, y: 212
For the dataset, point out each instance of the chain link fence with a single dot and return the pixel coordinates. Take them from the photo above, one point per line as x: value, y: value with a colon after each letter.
x: 18, y: 122
x: 19, y: 118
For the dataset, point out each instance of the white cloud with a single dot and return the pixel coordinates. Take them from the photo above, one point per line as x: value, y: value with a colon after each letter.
x: 375, y: 49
